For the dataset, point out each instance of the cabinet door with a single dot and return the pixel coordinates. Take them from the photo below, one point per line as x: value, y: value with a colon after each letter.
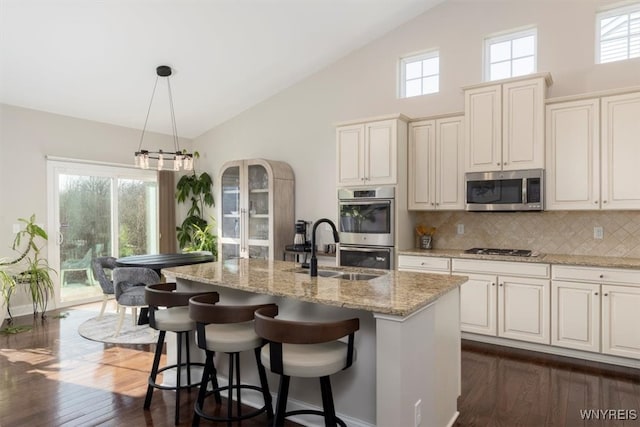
x: 621, y: 151
x: 350, y: 155
x: 575, y: 315
x: 449, y: 166
x: 478, y: 305
x: 573, y: 155
x: 523, y: 124
x: 621, y: 321
x: 380, y: 150
x: 523, y: 309
x: 483, y: 129
x: 259, y: 211
x: 422, y: 171
x: 231, y: 212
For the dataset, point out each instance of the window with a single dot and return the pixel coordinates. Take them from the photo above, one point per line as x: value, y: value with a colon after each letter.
x: 97, y: 210
x: 510, y: 55
x: 420, y: 74
x: 618, y: 34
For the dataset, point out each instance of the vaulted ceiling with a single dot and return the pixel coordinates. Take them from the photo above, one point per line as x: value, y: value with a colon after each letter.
x: 96, y: 59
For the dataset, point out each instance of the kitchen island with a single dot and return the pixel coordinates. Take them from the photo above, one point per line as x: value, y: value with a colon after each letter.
x: 408, y: 347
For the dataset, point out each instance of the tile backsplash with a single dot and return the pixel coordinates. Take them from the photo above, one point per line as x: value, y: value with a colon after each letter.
x: 557, y: 232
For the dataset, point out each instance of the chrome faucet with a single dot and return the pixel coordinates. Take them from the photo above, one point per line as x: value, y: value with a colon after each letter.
x: 313, y: 264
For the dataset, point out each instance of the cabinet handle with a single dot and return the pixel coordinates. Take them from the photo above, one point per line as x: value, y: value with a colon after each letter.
x: 604, y: 201
x: 595, y: 203
x: 499, y: 284
x: 432, y: 204
x: 602, y: 276
x: 422, y: 263
x: 596, y: 294
x: 493, y: 284
x: 498, y: 164
x: 606, y: 295
x: 504, y: 164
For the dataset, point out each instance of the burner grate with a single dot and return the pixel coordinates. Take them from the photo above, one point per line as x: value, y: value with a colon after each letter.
x: 496, y: 251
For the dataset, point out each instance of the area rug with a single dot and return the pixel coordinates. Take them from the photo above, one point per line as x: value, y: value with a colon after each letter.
x: 103, y: 330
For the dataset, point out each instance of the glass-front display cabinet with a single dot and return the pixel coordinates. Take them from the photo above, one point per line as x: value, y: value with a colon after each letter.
x: 256, y: 209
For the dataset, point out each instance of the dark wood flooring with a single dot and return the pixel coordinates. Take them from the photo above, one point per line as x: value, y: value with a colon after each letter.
x: 51, y: 376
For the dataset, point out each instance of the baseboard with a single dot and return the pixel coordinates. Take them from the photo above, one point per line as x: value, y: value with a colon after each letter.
x: 453, y: 419
x: 559, y: 351
x: 254, y: 400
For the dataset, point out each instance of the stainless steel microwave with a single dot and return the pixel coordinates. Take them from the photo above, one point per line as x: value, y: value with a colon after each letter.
x: 521, y: 190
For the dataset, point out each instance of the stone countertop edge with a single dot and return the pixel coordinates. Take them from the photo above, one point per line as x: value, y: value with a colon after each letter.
x: 395, y: 293
x: 558, y: 259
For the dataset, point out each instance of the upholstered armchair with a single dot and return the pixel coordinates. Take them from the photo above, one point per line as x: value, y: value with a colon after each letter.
x: 129, y: 283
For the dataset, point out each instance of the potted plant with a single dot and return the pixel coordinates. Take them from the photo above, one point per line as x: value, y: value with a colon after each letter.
x: 195, y: 233
x: 28, y: 268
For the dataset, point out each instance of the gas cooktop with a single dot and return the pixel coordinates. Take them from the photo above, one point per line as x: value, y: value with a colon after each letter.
x: 495, y: 251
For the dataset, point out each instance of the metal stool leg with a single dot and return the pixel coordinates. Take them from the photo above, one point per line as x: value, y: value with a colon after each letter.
x: 154, y: 369
x: 264, y: 384
x: 327, y: 402
x: 281, y: 406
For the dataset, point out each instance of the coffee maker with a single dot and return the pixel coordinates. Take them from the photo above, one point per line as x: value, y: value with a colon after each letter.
x: 300, y: 237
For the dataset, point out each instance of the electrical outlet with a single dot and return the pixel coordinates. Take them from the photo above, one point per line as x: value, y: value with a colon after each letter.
x: 460, y: 228
x: 16, y: 228
x: 598, y: 233
x: 418, y: 412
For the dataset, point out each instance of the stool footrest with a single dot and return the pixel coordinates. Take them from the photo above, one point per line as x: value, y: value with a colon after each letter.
x: 175, y: 366
x: 252, y: 414
x: 312, y: 412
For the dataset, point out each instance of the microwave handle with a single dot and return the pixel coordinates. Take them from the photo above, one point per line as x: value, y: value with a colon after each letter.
x: 524, y: 191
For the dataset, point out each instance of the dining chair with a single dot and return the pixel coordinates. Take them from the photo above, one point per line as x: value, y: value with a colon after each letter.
x: 129, y: 283
x: 99, y: 266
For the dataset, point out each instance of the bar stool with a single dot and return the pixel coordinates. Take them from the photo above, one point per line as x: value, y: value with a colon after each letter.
x: 305, y: 349
x: 227, y: 329
x: 175, y: 318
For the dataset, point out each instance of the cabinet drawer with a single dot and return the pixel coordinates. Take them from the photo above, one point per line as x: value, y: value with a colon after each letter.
x: 422, y: 263
x: 520, y: 269
x: 596, y: 275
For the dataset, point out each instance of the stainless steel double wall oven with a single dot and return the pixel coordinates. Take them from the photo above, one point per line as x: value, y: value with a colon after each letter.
x: 366, y: 226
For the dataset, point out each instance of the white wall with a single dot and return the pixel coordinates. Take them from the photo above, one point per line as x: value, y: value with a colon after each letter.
x: 297, y: 125
x: 27, y: 136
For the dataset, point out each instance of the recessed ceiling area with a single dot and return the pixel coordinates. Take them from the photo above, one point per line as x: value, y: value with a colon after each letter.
x: 96, y: 59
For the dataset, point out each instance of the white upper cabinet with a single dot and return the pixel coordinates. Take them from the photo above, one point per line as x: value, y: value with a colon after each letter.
x: 436, y: 156
x: 505, y: 125
x: 573, y: 155
x: 593, y: 152
x: 621, y: 151
x: 367, y: 153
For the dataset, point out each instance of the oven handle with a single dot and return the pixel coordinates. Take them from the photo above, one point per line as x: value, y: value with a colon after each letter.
x: 360, y: 249
x: 369, y: 202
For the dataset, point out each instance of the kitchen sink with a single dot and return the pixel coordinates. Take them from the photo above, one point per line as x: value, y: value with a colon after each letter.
x: 356, y: 276
x: 337, y: 274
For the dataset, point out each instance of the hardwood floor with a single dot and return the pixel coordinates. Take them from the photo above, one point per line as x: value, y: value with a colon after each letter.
x: 508, y: 387
x: 52, y: 376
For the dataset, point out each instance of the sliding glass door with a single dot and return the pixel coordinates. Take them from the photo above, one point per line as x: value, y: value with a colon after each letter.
x: 97, y: 210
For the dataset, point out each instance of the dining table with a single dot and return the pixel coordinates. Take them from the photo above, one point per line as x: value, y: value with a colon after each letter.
x: 157, y: 262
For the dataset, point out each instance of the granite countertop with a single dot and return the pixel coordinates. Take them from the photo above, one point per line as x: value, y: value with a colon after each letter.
x: 557, y: 259
x: 394, y: 292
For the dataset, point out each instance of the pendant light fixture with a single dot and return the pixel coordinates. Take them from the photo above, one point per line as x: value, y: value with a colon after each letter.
x: 180, y: 158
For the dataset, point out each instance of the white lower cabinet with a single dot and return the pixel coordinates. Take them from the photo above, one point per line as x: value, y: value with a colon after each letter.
x: 505, y: 305
x: 596, y: 309
x: 478, y: 299
x: 621, y: 321
x: 575, y: 315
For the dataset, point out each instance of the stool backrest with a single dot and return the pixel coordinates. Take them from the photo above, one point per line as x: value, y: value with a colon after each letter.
x: 203, y: 309
x: 299, y: 332
x: 165, y: 295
